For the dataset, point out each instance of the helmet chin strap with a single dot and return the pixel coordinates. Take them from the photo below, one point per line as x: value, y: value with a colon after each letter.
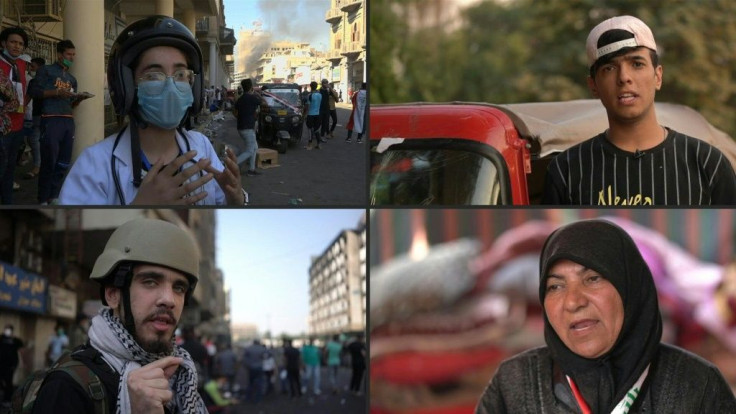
x: 135, y: 150
x: 128, y: 320
x: 122, y: 280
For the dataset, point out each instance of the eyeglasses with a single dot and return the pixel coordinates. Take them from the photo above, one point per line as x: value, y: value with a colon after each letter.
x: 154, y: 81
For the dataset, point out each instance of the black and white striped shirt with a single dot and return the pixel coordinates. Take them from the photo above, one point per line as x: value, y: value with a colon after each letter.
x: 682, y: 170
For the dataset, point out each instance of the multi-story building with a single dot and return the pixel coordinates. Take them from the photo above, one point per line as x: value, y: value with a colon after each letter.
x: 217, y: 43
x: 287, y: 62
x: 347, y: 52
x: 337, y: 286
x: 82, y: 21
x: 244, y: 333
x: 252, y: 45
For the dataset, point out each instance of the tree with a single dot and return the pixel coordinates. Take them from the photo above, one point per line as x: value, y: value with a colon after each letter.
x: 527, y: 51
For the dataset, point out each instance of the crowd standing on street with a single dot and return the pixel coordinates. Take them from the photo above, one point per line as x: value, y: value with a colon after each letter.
x: 253, y: 362
x: 10, y: 105
x: 313, y: 365
x: 293, y: 368
x: 358, y: 352
x: 314, y: 102
x: 333, y: 350
x: 56, y: 88
x: 33, y: 134
x: 10, y: 346
x: 197, y: 351
x: 13, y: 41
x: 246, y: 113
x: 269, y: 368
x: 357, y: 119
x: 226, y: 364
x: 78, y: 332
x: 333, y: 98
x: 324, y: 110
x: 58, y: 344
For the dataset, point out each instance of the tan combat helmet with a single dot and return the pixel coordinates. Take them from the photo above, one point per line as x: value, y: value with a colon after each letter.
x: 149, y: 241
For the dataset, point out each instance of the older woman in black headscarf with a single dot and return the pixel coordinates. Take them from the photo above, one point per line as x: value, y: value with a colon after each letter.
x: 603, y: 330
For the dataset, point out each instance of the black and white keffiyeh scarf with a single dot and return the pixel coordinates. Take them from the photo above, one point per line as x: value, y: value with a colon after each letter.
x: 118, y: 348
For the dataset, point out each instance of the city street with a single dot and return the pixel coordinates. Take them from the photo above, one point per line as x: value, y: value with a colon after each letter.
x: 327, y: 402
x: 335, y: 175
x: 277, y: 403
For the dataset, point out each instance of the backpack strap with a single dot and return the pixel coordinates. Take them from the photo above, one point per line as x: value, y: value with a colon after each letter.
x: 86, y: 378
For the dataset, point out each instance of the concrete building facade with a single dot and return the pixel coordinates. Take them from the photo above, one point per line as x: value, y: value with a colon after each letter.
x: 347, y: 52
x: 337, y: 287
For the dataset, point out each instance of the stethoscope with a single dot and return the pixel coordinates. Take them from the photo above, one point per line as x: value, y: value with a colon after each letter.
x: 115, y: 176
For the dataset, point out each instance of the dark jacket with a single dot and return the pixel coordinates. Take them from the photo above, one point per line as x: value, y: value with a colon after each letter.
x: 324, y: 106
x: 60, y: 394
x: 53, y: 77
x: 678, y: 382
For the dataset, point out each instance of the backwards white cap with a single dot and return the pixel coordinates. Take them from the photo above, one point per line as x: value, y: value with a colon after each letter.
x: 642, y: 37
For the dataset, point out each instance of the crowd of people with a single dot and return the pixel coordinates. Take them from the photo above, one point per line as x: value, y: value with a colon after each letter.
x: 153, y: 159
x: 268, y: 370
x: 37, y: 103
x: 37, y: 112
x: 131, y: 353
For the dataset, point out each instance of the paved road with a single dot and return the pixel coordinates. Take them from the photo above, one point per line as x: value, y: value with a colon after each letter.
x: 332, y: 176
x: 335, y: 175
x: 276, y: 403
x: 326, y: 403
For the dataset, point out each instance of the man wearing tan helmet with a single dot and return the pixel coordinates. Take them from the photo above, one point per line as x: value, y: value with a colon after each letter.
x: 636, y: 161
x: 147, y: 273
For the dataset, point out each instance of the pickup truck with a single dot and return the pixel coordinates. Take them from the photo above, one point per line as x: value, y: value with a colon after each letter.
x: 463, y: 153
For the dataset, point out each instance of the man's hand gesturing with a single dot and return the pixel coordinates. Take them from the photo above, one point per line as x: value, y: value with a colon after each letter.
x: 149, y: 385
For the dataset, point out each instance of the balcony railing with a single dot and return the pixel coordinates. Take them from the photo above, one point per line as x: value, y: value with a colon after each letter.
x: 349, y: 6
x: 334, y: 54
x: 333, y: 15
x: 203, y: 25
x: 353, y: 47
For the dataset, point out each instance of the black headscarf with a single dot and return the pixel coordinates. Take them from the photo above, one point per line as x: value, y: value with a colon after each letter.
x: 607, y: 249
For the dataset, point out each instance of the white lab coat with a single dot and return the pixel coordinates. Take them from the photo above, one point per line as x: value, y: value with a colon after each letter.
x: 91, y: 181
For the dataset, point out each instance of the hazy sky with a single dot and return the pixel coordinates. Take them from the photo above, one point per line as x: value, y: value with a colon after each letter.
x: 265, y: 257
x: 294, y: 20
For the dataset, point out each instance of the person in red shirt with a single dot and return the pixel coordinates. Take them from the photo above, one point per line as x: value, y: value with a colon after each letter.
x: 13, y: 41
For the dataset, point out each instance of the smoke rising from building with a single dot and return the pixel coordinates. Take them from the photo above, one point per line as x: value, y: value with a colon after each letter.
x: 285, y: 20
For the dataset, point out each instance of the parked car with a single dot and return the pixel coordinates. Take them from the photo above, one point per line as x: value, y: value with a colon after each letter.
x: 463, y: 153
x: 281, y: 118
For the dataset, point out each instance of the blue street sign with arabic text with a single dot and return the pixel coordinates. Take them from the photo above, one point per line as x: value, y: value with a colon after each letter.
x: 22, y: 290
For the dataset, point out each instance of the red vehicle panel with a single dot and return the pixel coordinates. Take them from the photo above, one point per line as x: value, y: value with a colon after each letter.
x: 479, y: 123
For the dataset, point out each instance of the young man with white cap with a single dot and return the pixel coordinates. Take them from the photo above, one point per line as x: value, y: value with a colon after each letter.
x: 636, y: 161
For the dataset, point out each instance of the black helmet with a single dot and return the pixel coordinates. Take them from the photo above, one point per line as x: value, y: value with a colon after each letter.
x: 140, y: 36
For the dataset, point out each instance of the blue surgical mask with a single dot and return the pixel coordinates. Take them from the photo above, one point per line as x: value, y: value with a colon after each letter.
x: 166, y: 108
